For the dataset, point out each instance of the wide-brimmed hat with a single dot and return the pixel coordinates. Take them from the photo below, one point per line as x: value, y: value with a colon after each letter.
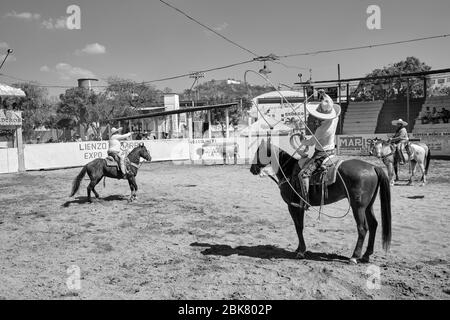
x: 114, y: 130
x: 326, y: 110
x: 396, y: 122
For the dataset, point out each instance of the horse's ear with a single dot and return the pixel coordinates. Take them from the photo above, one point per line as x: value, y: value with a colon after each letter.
x: 141, y: 144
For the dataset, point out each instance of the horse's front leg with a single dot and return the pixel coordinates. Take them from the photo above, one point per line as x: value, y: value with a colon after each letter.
x: 424, y: 176
x: 297, y: 215
x: 413, y: 171
x: 390, y: 168
x: 132, y: 183
x: 395, y: 166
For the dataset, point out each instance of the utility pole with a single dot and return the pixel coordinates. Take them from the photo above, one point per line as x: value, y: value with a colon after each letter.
x: 8, y: 52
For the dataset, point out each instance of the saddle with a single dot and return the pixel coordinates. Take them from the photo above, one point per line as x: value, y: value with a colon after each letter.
x: 326, y: 173
x: 112, y: 162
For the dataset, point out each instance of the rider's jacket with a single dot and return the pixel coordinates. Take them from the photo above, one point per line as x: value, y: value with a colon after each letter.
x: 400, y: 136
x: 114, y: 142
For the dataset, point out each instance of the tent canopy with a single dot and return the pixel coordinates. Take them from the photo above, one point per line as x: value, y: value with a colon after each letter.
x: 7, y: 91
x: 264, y: 125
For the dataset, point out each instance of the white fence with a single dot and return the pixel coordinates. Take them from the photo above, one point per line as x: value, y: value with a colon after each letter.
x: 207, y: 151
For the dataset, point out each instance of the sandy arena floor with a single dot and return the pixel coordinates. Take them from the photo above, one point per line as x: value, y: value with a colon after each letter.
x: 210, y: 232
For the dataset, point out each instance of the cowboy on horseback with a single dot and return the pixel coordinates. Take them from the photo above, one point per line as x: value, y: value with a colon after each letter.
x: 114, y: 148
x: 323, y: 140
x: 401, y: 140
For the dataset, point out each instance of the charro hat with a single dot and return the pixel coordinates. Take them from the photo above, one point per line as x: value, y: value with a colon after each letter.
x: 325, y: 110
x: 114, y: 130
x: 396, y: 122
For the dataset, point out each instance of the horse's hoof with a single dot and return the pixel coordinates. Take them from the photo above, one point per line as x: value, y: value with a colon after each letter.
x: 353, y: 261
x: 365, y: 259
x: 300, y: 255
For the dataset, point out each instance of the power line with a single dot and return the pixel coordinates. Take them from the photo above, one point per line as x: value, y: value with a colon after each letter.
x: 144, y: 82
x: 363, y: 47
x: 209, y: 28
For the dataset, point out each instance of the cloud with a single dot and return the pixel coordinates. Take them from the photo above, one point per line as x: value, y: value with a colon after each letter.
x: 51, y: 24
x: 221, y: 27
x: 217, y: 28
x: 66, y: 71
x: 93, y: 48
x: 23, y: 15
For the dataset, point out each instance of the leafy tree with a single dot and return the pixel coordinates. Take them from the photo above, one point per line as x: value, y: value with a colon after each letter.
x: 124, y: 97
x: 388, y: 88
x: 35, y: 106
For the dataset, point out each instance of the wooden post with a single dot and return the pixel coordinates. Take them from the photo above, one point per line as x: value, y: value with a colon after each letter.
x: 20, y: 151
x: 209, y: 124
x: 155, y: 127
x: 227, y: 123
x: 190, y: 128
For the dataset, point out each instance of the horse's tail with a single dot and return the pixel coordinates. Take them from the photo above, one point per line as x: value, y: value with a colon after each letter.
x: 428, y: 160
x: 77, y: 181
x: 385, y: 199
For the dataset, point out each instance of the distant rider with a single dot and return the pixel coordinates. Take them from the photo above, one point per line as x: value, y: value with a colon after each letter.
x: 323, y: 140
x: 401, y: 139
x: 114, y: 148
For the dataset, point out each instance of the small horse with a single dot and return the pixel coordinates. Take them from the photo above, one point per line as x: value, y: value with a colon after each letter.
x: 362, y: 181
x: 386, y: 152
x: 98, y: 168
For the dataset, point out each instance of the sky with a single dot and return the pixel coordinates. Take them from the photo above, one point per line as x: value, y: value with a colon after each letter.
x: 145, y: 40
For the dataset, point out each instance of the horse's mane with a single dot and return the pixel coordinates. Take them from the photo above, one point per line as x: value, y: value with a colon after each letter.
x: 286, y: 161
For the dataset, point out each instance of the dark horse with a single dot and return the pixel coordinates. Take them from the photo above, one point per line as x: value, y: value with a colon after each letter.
x: 98, y: 168
x: 362, y: 181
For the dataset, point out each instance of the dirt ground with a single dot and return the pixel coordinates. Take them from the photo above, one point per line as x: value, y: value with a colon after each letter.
x: 211, y: 232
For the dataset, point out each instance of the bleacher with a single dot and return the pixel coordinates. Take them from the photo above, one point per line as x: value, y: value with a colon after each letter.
x: 397, y: 110
x: 437, y: 102
x: 361, y: 117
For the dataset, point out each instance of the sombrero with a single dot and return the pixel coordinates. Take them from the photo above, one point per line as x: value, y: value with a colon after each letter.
x: 114, y: 130
x: 396, y: 122
x: 325, y: 110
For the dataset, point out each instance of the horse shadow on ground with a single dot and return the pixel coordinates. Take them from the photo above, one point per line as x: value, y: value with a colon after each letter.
x: 83, y: 200
x: 264, y: 252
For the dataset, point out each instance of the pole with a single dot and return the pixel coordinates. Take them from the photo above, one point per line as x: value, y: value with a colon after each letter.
x: 407, y: 102
x: 305, y: 93
x: 339, y: 97
x: 227, y: 126
x: 209, y: 124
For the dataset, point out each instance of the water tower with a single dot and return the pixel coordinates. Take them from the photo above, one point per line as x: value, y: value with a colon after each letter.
x: 86, y: 83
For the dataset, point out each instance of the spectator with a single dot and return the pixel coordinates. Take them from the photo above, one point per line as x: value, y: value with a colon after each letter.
x: 425, y: 116
x: 445, y: 115
x: 435, y: 116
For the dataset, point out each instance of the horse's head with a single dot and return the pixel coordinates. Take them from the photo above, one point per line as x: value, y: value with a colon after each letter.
x: 143, y: 152
x: 376, y: 148
x: 262, y: 157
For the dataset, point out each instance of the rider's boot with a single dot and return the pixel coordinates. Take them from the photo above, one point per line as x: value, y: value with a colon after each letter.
x: 123, y: 168
x: 304, y: 184
x: 400, y: 156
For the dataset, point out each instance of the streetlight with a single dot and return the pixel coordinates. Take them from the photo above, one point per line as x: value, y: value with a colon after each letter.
x: 8, y: 52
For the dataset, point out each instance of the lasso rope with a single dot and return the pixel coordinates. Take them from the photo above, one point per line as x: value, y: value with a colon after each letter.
x: 312, y: 133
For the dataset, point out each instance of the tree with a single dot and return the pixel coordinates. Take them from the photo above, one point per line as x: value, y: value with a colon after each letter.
x: 37, y: 110
x: 76, y: 107
x: 125, y: 97
x: 387, y: 88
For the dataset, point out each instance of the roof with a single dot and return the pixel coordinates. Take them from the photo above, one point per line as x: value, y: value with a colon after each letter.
x: 6, y: 91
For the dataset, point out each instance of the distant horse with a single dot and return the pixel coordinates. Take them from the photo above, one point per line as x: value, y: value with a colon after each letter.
x: 98, y: 168
x: 362, y: 180
x: 386, y: 152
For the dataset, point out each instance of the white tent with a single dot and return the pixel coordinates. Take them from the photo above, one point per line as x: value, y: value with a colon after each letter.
x: 6, y: 91
x: 265, y: 125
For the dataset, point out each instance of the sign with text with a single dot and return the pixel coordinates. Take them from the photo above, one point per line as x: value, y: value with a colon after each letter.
x: 10, y: 118
x: 356, y: 145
